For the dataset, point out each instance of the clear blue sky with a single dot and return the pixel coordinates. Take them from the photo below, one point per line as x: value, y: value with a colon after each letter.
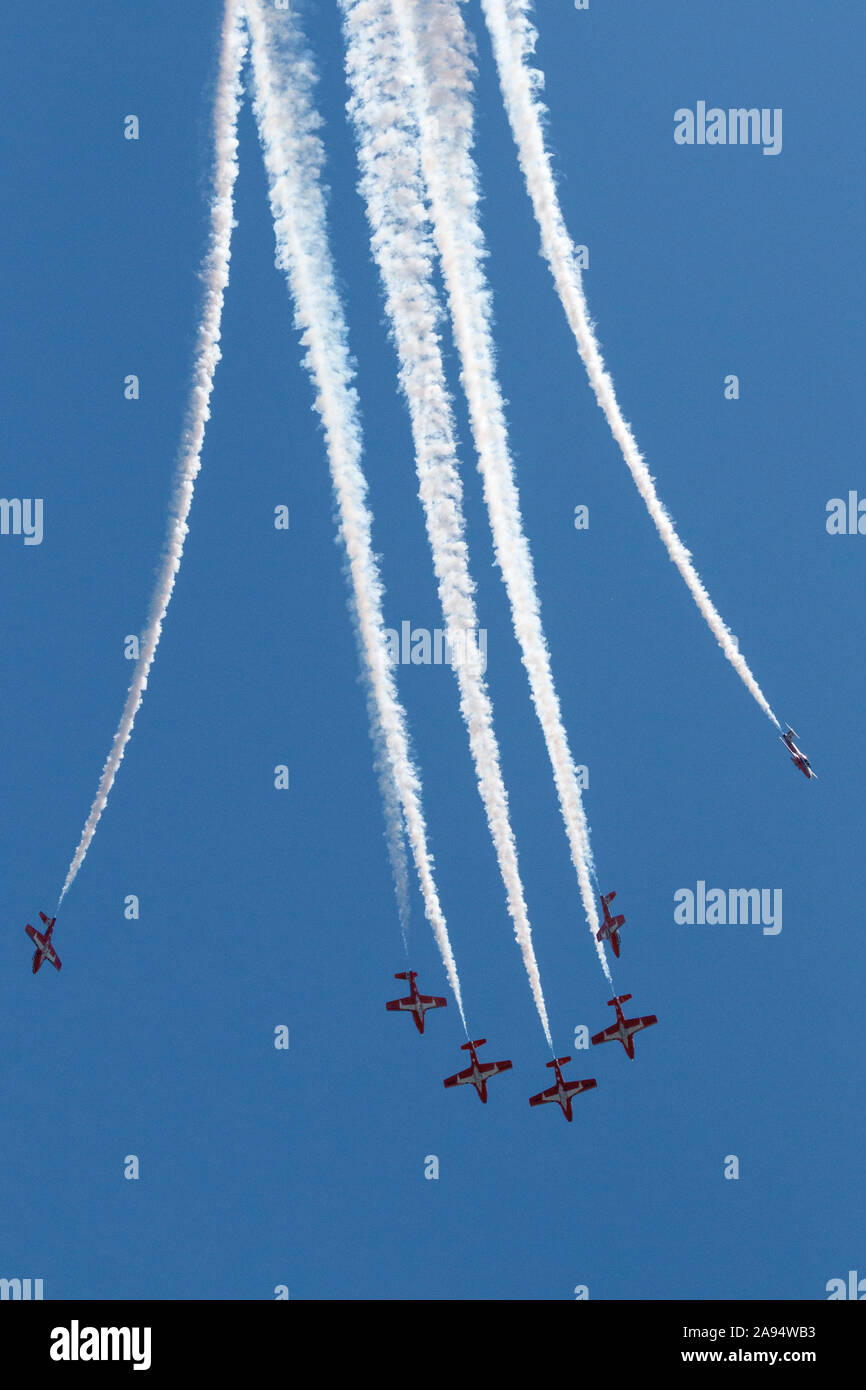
x: 259, y: 907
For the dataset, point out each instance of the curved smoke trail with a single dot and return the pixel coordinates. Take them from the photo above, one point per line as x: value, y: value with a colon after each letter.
x: 514, y: 39
x: 215, y: 277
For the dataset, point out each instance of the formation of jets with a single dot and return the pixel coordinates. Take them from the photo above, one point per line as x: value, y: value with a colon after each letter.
x: 417, y: 1004
x: 42, y: 941
x: 623, y: 1030
x: 478, y: 1073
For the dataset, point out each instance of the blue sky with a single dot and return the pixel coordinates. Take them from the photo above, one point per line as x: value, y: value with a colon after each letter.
x: 260, y: 908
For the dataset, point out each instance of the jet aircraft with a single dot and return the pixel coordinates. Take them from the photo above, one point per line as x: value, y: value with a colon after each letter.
x: 563, y: 1091
x: 625, y: 1028
x: 478, y: 1073
x: 44, y: 949
x: 797, y: 758
x: 417, y: 1004
x: 609, y: 929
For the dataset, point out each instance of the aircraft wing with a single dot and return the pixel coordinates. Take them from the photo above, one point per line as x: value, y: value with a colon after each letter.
x: 544, y: 1097
x: 491, y: 1068
x: 460, y: 1078
x: 606, y: 1034
x: 397, y: 1004
x: 33, y: 934
x: 574, y: 1088
x: 431, y: 1001
x: 646, y: 1020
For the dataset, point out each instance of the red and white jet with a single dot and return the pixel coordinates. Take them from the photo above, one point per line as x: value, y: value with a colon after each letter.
x: 563, y: 1091
x: 797, y: 758
x: 609, y: 929
x: 417, y: 1003
x: 44, y: 949
x: 624, y: 1028
x: 477, y: 1074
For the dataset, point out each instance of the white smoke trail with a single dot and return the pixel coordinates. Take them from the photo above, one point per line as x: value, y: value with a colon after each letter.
x: 514, y: 39
x: 395, y: 825
x: 294, y: 156
x: 215, y: 277
x: 436, y: 58
x: 393, y: 190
